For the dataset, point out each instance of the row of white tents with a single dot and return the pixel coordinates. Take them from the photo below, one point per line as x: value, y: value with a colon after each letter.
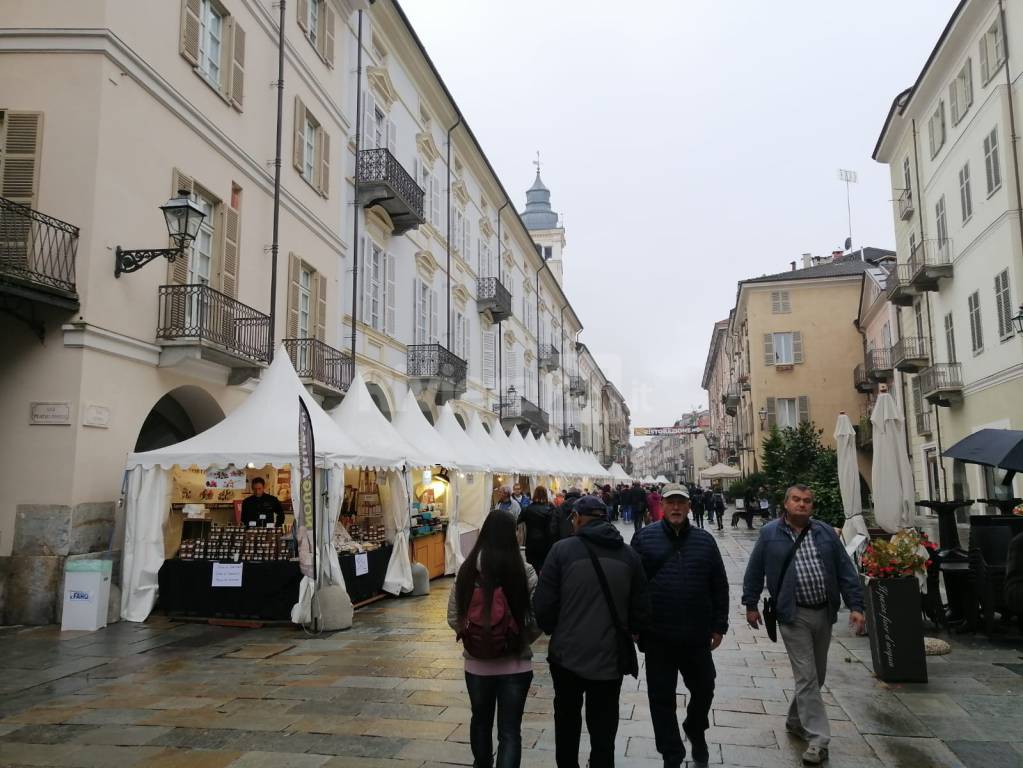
x: 263, y: 431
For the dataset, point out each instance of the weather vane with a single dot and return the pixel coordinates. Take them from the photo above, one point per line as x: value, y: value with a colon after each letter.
x: 537, y: 162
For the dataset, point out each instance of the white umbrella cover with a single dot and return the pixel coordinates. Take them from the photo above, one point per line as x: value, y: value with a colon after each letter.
x: 849, y: 480
x: 891, y: 475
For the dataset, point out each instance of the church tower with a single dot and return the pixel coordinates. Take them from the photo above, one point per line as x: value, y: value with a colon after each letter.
x: 544, y: 225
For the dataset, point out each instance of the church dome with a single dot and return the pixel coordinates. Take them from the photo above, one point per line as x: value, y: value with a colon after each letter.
x: 538, y: 213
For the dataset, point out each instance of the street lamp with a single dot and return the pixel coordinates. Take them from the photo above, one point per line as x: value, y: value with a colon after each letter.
x: 183, y: 217
x: 1017, y: 321
x: 762, y: 413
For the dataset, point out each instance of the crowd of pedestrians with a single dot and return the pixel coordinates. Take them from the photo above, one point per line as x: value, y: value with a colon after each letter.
x: 561, y: 566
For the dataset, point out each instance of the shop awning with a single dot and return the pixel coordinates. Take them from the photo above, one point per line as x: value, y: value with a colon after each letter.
x: 718, y: 472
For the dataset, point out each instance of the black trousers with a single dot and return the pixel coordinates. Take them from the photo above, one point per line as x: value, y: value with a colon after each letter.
x: 664, y: 662
x: 601, y: 717
x: 505, y: 695
x: 698, y: 517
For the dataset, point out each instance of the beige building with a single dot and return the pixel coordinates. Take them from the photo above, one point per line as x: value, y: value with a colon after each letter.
x: 718, y: 376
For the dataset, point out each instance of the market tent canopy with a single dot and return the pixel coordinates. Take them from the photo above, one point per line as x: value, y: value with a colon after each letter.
x: 264, y: 430
x: 359, y: 415
x: 412, y: 425
x: 521, y: 453
x: 720, y: 472
x: 467, y: 456
x: 648, y: 480
x: 487, y: 450
x: 505, y: 454
x: 661, y: 479
x: 618, y: 474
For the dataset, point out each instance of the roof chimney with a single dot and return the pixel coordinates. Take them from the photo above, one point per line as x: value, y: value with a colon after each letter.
x: 836, y: 254
x: 806, y: 261
x: 793, y: 265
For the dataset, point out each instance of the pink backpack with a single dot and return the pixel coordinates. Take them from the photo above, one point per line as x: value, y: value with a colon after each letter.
x: 493, y: 639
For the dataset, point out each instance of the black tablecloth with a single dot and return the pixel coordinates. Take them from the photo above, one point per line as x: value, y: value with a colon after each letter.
x: 369, y: 584
x: 269, y: 590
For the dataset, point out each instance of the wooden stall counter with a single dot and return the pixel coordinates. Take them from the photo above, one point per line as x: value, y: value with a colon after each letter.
x: 429, y: 550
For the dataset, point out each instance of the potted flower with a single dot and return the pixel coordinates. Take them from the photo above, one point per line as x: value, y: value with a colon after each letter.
x: 894, y: 572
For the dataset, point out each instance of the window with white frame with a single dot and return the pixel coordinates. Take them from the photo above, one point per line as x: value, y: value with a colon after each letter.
x: 460, y: 337
x: 941, y: 223
x: 375, y: 281
x: 992, y: 166
x: 976, y: 329
x: 960, y: 92
x: 1003, y: 302
x: 992, y: 51
x: 936, y: 128
x: 783, y: 352
x: 950, y: 338
x: 311, y: 154
x: 426, y: 305
x: 312, y: 20
x: 376, y: 276
x: 305, y: 298
x: 786, y: 412
x: 309, y: 148
x: 211, y: 35
x: 965, y: 194
x: 907, y: 175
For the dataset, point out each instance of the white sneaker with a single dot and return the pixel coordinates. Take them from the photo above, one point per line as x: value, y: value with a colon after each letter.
x: 815, y: 755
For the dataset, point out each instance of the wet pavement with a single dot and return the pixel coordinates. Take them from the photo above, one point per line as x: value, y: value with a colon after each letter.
x: 390, y: 692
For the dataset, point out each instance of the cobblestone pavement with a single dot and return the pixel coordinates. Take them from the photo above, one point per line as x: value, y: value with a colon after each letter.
x: 390, y: 692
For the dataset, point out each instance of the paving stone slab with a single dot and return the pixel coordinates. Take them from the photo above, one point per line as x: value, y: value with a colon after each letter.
x: 898, y: 751
x: 986, y: 754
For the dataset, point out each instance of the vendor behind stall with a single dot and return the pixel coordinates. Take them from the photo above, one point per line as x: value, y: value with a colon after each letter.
x: 261, y: 508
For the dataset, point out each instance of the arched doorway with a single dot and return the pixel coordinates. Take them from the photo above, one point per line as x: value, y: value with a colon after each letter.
x: 377, y: 393
x: 180, y: 414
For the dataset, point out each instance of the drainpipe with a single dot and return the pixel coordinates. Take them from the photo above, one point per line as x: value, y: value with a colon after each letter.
x: 500, y: 344
x: 539, y: 380
x: 564, y: 412
x: 355, y: 217
x: 1012, y: 121
x: 275, y: 242
x: 452, y: 128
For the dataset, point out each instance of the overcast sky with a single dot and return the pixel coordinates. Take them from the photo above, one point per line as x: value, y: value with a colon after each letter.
x: 687, y: 144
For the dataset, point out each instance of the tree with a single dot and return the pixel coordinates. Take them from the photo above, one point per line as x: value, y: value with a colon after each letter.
x: 796, y: 455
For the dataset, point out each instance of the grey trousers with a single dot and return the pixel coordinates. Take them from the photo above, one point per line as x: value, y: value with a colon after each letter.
x: 806, y: 641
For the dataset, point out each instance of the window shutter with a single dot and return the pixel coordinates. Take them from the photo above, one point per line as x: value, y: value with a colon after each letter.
x: 294, y: 276
x: 320, y: 297
x: 490, y: 359
x: 232, y: 238
x: 296, y: 154
x: 776, y: 302
x: 786, y: 307
x: 768, y: 349
x: 392, y: 138
x: 435, y: 201
x: 465, y: 339
x: 302, y: 12
x: 188, y: 44
x: 19, y: 160
x: 985, y: 64
x: 418, y: 332
x: 364, y: 281
x: 772, y: 417
x: 804, y: 408
x: 324, y: 185
x: 177, y: 270
x: 369, y: 108
x: 797, y: 347
x: 953, y: 100
x: 237, y: 66
x: 434, y: 324
x: 328, y: 36
x: 389, y: 312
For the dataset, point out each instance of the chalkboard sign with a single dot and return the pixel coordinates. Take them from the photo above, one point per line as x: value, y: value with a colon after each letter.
x: 896, y: 629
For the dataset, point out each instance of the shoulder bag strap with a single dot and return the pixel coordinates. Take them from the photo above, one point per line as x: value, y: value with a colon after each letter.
x: 602, y: 578
x: 792, y: 554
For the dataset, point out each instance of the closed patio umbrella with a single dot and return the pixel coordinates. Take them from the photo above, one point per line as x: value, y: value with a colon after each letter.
x: 849, y: 480
x: 891, y: 475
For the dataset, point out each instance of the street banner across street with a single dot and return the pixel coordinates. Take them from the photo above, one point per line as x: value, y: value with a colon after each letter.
x: 652, y: 431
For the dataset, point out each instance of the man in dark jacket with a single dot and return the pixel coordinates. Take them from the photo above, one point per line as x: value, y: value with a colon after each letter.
x: 583, y: 653
x: 563, y: 515
x: 689, y: 616
x: 637, y: 500
x: 696, y: 496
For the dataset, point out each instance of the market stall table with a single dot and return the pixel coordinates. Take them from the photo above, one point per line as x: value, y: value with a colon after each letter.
x: 268, y: 590
x: 371, y: 583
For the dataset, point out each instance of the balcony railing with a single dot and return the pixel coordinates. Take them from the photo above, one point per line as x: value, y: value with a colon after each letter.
x: 905, y: 201
x: 860, y: 379
x: 432, y: 365
x: 879, y: 363
x: 942, y: 383
x: 384, y: 182
x: 37, y: 255
x: 516, y: 410
x: 327, y: 369
x: 550, y: 358
x: 930, y: 261
x: 493, y: 298
x: 576, y: 386
x: 923, y: 422
x: 909, y: 354
x: 200, y: 314
x: 898, y: 286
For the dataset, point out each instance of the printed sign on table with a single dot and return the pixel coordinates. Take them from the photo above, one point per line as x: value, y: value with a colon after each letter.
x: 227, y: 574
x: 361, y: 564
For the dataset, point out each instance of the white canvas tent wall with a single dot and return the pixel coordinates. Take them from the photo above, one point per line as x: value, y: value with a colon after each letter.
x: 618, y: 474
x: 262, y: 430
x: 470, y: 461
x: 507, y: 463
x: 521, y: 453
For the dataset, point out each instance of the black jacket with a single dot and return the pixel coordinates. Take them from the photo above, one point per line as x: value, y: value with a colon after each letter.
x: 538, y: 519
x: 688, y: 585
x: 570, y: 606
x: 637, y: 498
x: 563, y: 513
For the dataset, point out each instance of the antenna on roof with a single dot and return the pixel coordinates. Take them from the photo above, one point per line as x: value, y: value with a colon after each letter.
x: 849, y: 177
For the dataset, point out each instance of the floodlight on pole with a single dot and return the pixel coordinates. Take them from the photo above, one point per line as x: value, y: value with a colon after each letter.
x: 849, y: 177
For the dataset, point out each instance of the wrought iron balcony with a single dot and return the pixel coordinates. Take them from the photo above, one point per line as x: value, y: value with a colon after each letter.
x: 879, y: 364
x: 517, y: 411
x: 493, y: 298
x: 572, y: 436
x: 731, y: 399
x: 860, y: 379
x: 942, y: 383
x: 433, y: 367
x: 550, y: 358
x: 898, y: 286
x: 905, y: 202
x: 923, y: 422
x: 327, y: 371
x: 37, y: 261
x: 909, y: 354
x: 577, y: 386
x: 930, y: 261
x: 384, y: 182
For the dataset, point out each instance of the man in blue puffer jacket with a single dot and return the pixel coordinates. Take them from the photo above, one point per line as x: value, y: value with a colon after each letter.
x: 689, y: 601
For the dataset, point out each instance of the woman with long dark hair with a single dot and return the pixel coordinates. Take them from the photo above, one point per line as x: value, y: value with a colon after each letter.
x: 538, y: 519
x: 490, y: 609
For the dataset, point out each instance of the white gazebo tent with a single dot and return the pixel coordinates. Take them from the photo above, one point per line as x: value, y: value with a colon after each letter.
x: 412, y: 425
x: 509, y: 461
x: 721, y: 472
x: 263, y: 430
x: 648, y: 480
x: 470, y: 461
x: 661, y: 479
x: 521, y: 452
x: 618, y: 474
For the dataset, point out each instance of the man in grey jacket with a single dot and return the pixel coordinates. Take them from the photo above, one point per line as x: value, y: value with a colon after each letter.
x: 583, y: 652
x: 807, y: 600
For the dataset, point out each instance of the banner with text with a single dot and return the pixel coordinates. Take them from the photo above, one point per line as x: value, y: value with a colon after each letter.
x: 654, y: 431
x: 305, y: 506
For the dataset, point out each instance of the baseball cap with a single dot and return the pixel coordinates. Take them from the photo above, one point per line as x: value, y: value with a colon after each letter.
x: 590, y: 506
x: 674, y: 489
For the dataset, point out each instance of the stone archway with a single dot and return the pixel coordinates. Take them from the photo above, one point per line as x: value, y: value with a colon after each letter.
x: 178, y: 415
x: 380, y: 398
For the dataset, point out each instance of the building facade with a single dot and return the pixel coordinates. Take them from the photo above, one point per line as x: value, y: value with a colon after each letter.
x: 390, y: 213
x: 955, y: 171
x: 680, y: 458
x: 722, y: 405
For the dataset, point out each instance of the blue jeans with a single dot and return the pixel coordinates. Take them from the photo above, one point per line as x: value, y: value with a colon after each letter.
x: 507, y: 694
x: 627, y: 513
